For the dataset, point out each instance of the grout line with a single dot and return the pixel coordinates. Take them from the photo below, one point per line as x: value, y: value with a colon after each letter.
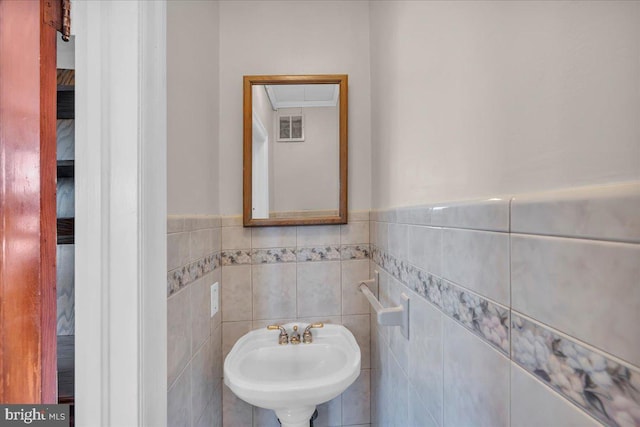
x: 575, y: 239
x: 296, y: 272
x: 515, y: 365
x: 442, y: 335
x: 510, y: 386
x: 180, y: 374
x: 251, y: 274
x: 472, y: 292
x: 191, y: 397
x: 510, y: 271
x: 442, y: 316
x: 509, y: 409
x: 481, y: 339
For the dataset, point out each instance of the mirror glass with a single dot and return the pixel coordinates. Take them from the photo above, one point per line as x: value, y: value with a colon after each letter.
x: 294, y: 150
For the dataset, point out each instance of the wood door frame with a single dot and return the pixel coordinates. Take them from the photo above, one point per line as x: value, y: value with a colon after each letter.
x: 121, y: 206
x: 121, y: 332
x: 28, y: 203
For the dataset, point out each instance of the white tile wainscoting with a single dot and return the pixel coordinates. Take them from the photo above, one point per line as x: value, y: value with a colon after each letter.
x: 194, y: 338
x: 306, y: 274
x: 267, y: 275
x: 524, y: 311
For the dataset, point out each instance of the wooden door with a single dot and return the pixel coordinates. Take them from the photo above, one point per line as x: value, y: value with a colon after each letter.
x: 27, y: 201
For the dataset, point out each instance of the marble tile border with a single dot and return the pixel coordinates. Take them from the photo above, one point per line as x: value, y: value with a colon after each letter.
x: 605, y: 388
x: 599, y: 384
x: 184, y: 275
x: 273, y: 255
x: 180, y: 277
x: 485, y: 318
x: 290, y: 254
x: 235, y: 257
x: 353, y: 252
x: 323, y: 253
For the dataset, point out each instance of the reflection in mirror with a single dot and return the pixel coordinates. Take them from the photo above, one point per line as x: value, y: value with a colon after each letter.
x: 297, y: 174
x: 295, y: 152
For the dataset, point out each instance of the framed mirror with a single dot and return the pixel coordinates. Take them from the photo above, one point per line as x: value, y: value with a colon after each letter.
x: 295, y: 150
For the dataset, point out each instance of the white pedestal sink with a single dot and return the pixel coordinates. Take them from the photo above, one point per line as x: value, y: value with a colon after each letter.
x: 292, y: 379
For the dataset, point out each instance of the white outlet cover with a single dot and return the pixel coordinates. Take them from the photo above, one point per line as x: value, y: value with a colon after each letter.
x: 214, y: 299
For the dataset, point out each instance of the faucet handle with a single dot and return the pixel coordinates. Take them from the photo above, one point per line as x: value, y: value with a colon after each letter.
x: 283, y: 338
x: 307, y: 338
x: 314, y: 325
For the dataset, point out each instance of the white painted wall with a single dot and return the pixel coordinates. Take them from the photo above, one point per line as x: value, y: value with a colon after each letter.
x: 306, y: 174
x: 284, y: 37
x: 192, y: 104
x: 472, y: 99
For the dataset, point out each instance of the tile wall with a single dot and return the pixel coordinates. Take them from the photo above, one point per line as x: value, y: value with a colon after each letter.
x: 194, y: 338
x: 524, y: 311
x: 305, y: 274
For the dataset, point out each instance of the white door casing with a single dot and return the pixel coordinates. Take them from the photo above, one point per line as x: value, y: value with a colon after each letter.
x: 120, y: 228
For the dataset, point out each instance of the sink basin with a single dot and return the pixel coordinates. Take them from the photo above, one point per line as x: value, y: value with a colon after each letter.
x: 292, y: 379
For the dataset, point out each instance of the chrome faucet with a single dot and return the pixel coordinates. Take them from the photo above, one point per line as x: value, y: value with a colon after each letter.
x: 307, y: 338
x: 283, y: 338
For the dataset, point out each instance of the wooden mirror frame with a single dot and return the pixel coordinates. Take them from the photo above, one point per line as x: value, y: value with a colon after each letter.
x: 249, y: 82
